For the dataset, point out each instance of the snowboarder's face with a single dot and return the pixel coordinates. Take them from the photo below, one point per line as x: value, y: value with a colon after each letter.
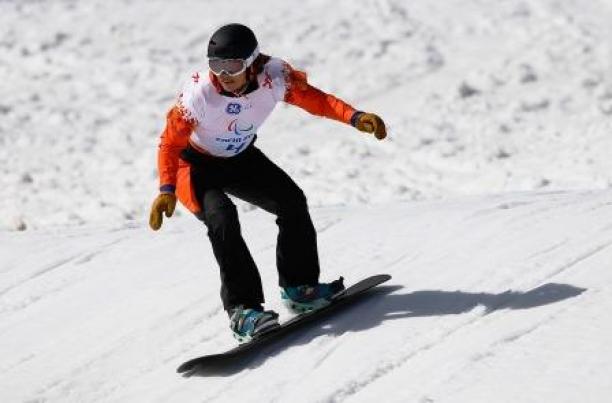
x: 233, y: 83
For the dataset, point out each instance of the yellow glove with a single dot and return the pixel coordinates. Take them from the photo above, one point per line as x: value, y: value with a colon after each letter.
x: 370, y: 123
x: 164, y: 203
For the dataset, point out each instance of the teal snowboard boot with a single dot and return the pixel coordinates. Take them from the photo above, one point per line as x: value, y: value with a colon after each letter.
x: 308, y: 298
x: 247, y: 323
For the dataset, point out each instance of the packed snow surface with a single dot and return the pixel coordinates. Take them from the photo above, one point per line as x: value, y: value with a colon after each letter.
x: 503, y: 298
x: 489, y: 203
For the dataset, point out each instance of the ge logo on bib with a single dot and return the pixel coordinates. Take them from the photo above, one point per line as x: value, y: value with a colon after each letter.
x: 233, y: 108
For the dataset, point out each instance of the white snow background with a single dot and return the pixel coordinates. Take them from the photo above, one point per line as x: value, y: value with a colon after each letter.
x: 490, y: 202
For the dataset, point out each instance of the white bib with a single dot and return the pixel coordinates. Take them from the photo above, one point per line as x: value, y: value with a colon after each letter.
x: 225, y: 126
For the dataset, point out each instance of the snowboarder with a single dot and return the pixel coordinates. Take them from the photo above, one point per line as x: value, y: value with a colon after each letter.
x: 207, y: 152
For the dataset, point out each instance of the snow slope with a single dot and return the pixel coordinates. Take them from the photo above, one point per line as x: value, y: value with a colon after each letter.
x: 489, y: 203
x: 480, y: 96
x: 503, y: 298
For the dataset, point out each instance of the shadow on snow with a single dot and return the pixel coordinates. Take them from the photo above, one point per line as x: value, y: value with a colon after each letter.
x: 356, y: 317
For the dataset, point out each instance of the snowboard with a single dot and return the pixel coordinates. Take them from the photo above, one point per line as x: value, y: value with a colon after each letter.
x: 217, y: 363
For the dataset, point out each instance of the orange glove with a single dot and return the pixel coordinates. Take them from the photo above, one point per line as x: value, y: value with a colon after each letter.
x: 370, y: 123
x: 164, y: 203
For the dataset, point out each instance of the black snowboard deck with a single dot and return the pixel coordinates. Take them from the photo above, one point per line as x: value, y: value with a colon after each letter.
x: 220, y: 361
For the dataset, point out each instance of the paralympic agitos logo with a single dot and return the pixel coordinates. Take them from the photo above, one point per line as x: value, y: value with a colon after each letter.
x: 239, y: 128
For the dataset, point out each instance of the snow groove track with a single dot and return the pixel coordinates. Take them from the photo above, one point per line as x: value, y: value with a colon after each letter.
x: 580, y: 258
x: 33, y: 274
x: 400, y: 358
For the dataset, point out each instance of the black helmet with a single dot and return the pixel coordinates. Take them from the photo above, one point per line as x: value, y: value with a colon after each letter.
x: 233, y: 41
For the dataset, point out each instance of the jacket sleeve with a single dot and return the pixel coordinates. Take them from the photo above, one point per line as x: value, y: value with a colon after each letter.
x: 300, y: 93
x: 174, y: 139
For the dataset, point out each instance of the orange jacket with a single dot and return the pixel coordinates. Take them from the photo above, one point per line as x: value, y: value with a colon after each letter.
x: 173, y: 140
x: 175, y: 136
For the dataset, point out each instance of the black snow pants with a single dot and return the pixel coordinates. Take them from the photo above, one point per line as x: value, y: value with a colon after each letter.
x: 252, y: 177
